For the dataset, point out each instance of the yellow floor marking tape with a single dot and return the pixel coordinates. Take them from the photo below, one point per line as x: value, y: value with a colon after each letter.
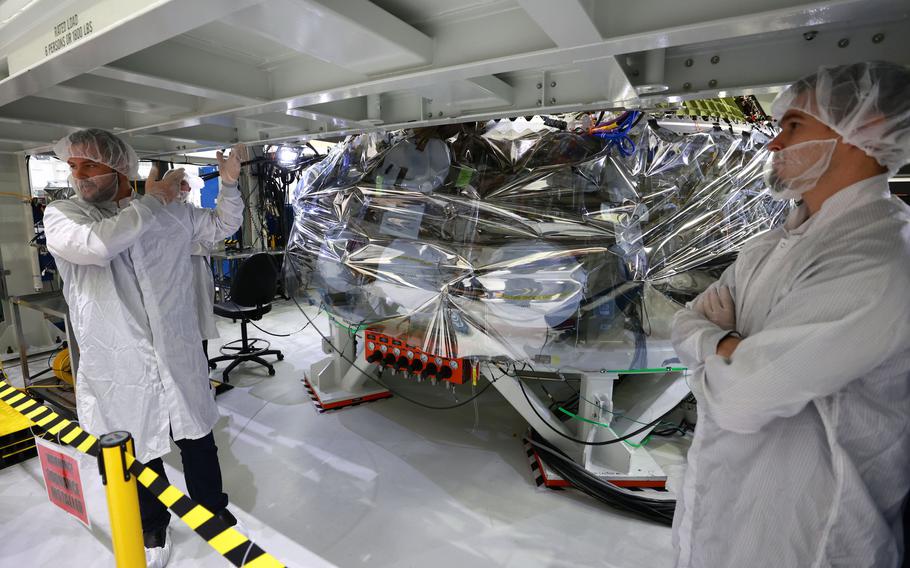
x: 228, y: 542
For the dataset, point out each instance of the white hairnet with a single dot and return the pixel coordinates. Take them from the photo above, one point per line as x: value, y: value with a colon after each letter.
x: 99, y: 146
x: 867, y: 104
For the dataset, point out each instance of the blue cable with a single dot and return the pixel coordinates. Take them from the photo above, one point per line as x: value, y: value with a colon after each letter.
x: 619, y: 137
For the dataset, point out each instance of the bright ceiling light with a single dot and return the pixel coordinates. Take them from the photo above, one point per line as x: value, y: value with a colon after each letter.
x: 287, y: 156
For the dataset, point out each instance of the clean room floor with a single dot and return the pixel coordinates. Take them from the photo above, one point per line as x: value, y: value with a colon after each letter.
x: 386, y: 484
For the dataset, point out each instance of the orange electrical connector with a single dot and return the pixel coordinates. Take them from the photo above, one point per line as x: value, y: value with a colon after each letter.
x: 398, y: 354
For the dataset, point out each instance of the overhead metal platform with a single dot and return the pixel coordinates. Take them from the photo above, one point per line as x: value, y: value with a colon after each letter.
x: 176, y: 76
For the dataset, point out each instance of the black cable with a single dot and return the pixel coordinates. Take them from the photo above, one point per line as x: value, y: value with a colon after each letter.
x: 39, y: 373
x: 216, y: 173
x: 598, y: 487
x: 567, y: 403
x: 280, y: 334
x: 576, y: 440
x: 50, y: 359
x: 659, y: 510
x: 576, y: 473
x: 52, y: 355
x: 538, y: 441
x: 617, y: 416
x: 554, y: 123
x: 274, y: 183
x: 382, y: 384
x: 682, y: 429
x: 668, y: 432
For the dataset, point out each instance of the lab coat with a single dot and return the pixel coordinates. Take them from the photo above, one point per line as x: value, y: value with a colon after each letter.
x: 204, y: 288
x: 125, y: 268
x: 801, y: 453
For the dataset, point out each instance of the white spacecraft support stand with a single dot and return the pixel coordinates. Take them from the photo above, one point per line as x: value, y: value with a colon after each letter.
x: 626, y: 462
x: 645, y: 395
x: 335, y: 381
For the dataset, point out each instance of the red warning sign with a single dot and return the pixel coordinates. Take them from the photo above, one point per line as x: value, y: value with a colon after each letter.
x: 61, y: 477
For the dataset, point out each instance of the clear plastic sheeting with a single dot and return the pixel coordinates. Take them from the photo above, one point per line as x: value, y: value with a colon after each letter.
x: 553, y: 248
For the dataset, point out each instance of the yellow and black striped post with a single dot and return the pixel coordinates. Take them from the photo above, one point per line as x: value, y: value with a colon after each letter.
x: 122, y: 500
x: 227, y: 541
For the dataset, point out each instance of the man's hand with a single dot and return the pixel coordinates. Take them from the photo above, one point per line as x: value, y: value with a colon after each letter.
x: 727, y: 346
x: 717, y: 305
x: 167, y: 189
x: 229, y: 168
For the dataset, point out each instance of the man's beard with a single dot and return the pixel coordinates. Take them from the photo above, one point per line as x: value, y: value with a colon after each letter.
x: 791, y: 172
x: 97, y: 189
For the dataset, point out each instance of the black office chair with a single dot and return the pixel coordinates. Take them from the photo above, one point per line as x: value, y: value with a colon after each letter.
x: 253, y: 288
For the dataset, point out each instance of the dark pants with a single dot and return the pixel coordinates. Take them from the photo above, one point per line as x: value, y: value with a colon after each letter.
x: 203, y: 481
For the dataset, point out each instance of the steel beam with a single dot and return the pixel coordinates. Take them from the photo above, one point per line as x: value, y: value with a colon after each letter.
x: 453, y: 98
x: 316, y: 115
x: 836, y: 11
x: 225, y: 91
x: 46, y: 111
x: 282, y: 120
x: 305, y: 25
x: 206, y: 133
x: 569, y: 24
x: 79, y: 96
x: 774, y: 60
x: 135, y: 32
x: 136, y: 92
x: 682, y: 22
x: 32, y: 132
x: 779, y: 58
x: 174, y: 85
x: 213, y: 75
x: 18, y: 18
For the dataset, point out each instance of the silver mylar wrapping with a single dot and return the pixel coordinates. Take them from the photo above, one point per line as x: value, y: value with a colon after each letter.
x: 550, y: 248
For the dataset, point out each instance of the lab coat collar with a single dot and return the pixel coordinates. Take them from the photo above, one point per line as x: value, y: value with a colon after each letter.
x: 111, y: 205
x: 860, y: 193
x: 847, y: 199
x: 127, y: 200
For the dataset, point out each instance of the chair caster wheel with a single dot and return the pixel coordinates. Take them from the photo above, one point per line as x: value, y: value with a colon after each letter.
x: 213, y: 366
x: 280, y: 357
x: 271, y: 372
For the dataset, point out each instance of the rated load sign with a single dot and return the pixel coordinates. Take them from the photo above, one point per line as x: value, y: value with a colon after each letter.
x: 61, y: 477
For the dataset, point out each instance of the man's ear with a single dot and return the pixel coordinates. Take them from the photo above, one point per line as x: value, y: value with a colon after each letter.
x: 855, y: 158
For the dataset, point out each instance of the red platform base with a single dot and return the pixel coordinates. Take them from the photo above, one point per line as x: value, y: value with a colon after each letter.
x: 340, y: 403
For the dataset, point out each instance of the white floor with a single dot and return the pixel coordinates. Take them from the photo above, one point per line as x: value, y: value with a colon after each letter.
x: 384, y: 484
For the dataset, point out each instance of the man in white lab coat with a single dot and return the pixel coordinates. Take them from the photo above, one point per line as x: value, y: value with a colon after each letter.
x: 800, y: 353
x: 125, y: 264
x: 203, y: 286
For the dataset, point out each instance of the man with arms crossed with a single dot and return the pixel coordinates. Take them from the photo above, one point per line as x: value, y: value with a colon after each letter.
x: 801, y: 351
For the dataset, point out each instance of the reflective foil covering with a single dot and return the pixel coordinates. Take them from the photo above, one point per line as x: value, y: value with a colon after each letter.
x: 553, y: 248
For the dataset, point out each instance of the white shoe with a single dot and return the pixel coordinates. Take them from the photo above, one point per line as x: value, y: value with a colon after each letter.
x: 158, y: 557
